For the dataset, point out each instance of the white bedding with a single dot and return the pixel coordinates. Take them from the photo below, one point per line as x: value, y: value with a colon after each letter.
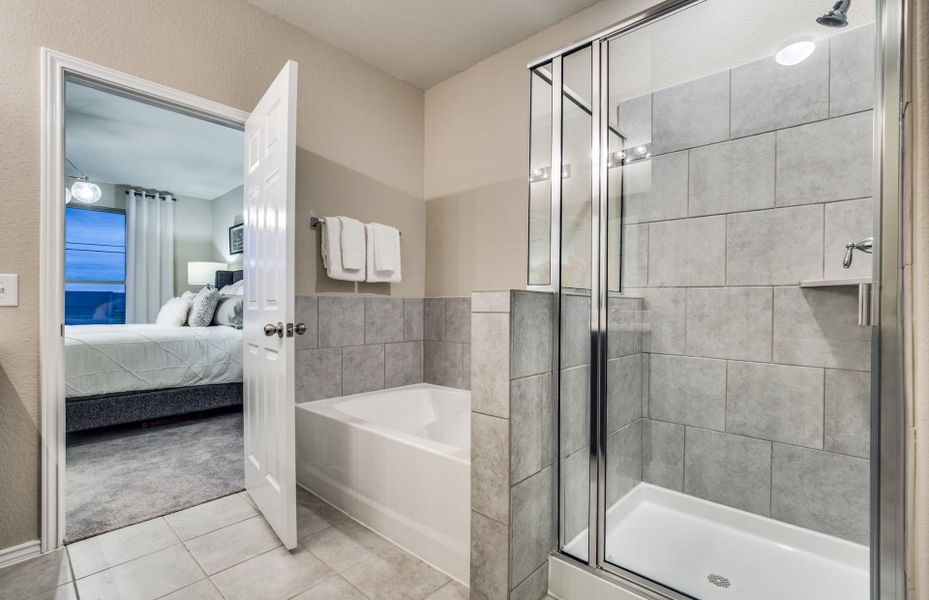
x: 105, y: 359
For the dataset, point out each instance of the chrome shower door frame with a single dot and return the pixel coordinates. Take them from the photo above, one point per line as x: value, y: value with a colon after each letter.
x: 887, y: 493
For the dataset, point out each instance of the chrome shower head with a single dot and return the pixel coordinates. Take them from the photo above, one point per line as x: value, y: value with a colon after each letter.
x: 837, y: 16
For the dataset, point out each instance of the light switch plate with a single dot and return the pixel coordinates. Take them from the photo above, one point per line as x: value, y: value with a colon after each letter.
x: 9, y: 290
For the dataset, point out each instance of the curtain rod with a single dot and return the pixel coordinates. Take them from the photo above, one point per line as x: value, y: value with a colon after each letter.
x: 152, y: 194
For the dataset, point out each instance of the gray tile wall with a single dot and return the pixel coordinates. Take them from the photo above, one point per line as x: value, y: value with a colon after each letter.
x: 357, y: 344
x: 754, y: 391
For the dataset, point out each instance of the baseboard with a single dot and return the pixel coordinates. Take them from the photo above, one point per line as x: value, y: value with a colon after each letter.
x: 14, y: 554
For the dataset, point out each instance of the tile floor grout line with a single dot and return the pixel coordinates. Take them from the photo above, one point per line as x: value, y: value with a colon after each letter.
x: 131, y: 559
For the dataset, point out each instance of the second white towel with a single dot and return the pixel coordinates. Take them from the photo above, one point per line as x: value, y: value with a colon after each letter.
x: 383, y: 253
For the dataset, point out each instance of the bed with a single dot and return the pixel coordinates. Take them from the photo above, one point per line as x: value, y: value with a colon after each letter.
x: 118, y: 374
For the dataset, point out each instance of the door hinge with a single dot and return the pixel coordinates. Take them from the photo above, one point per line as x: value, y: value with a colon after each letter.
x: 61, y: 329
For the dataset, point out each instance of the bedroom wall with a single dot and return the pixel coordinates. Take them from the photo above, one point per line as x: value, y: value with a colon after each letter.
x: 193, y: 240
x: 226, y: 212
x: 360, y: 150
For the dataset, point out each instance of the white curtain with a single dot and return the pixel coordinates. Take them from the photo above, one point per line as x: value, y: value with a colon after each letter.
x: 149, y: 255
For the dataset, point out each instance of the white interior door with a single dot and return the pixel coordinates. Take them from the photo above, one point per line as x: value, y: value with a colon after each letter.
x: 268, y: 384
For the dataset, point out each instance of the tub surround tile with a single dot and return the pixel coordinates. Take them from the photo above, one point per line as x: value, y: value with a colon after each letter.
x: 534, y: 587
x: 458, y: 320
x: 845, y: 222
x: 821, y: 491
x: 575, y: 409
x: 782, y: 246
x: 526, y: 425
x: 768, y: 96
x: 689, y: 252
x: 687, y: 390
x: 728, y: 469
x: 412, y: 319
x: 434, y: 319
x: 33, y: 577
x: 818, y: 327
x: 531, y: 331
x: 634, y: 256
x: 663, y: 454
x: 466, y: 367
x: 341, y: 321
x: 575, y: 330
x: 531, y: 525
x: 691, y: 114
x: 403, y: 364
x: 318, y: 374
x: 656, y: 189
x: 490, y: 469
x: 732, y: 176
x: 232, y: 544
x: 305, y: 312
x: 442, y: 363
x: 624, y: 323
x: 729, y: 323
x: 490, y: 363
x: 848, y: 412
x: 851, y: 71
x: 362, y: 369
x: 275, y: 575
x: 807, y: 171
x: 489, y: 558
x: 383, y: 320
x: 119, y: 546
x: 775, y: 402
x: 623, y: 461
x: 624, y: 391
x: 210, y: 516
x: 145, y: 578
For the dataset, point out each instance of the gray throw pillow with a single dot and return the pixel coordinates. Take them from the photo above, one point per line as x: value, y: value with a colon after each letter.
x: 203, y: 307
x: 229, y: 312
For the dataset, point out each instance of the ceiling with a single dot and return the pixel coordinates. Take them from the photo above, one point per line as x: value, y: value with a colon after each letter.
x: 423, y: 42
x: 118, y: 140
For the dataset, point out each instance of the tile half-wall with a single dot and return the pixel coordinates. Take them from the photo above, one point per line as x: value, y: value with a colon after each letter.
x: 356, y: 344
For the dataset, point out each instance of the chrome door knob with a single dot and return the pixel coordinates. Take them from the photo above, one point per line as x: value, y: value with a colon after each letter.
x: 272, y: 329
x: 300, y: 328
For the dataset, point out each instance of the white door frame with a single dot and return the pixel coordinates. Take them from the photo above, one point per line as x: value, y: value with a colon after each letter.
x: 55, y: 65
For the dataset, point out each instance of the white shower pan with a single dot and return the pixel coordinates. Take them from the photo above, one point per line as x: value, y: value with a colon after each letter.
x: 714, y: 552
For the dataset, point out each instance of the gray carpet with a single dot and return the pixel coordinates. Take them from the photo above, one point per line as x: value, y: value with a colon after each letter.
x: 125, y: 476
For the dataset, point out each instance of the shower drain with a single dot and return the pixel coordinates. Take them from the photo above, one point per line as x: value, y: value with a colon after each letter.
x: 718, y: 580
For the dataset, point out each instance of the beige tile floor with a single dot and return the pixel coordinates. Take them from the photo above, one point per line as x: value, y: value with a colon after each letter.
x: 224, y: 549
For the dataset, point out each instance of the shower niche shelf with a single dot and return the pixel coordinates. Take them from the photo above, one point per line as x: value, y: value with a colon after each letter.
x: 864, y: 293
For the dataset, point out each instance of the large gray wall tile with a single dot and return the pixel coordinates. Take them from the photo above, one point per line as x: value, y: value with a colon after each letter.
x: 442, y: 363
x: 821, y: 491
x: 690, y: 252
x: 729, y: 323
x: 383, y: 320
x: 624, y: 324
x: 575, y: 489
x: 686, y: 390
x: 458, y: 320
x: 818, y: 327
x: 623, y: 461
x: 318, y: 374
x: 575, y: 409
x: 490, y: 471
x: 362, y: 369
x: 526, y: 425
x: 530, y: 525
x: 846, y: 222
x: 848, y: 412
x: 635, y: 119
x: 534, y: 587
x: 490, y: 301
x: 412, y: 319
x: 624, y: 391
x: 663, y: 454
x: 655, y: 189
x: 768, y: 96
x: 531, y: 333
x: 634, y: 256
x: 728, y: 469
x: 305, y: 312
x: 434, y: 319
x: 489, y: 558
x: 782, y: 246
x: 575, y: 330
x: 852, y: 71
x: 691, y: 114
x: 775, y: 402
x: 341, y: 321
x: 466, y: 366
x: 490, y: 363
x: 403, y: 364
x: 663, y: 317
x: 732, y: 176
x: 825, y: 161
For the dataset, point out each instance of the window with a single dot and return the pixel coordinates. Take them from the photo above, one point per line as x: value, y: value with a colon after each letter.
x: 95, y: 266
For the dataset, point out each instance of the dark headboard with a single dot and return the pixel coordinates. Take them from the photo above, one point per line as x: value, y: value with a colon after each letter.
x: 224, y: 278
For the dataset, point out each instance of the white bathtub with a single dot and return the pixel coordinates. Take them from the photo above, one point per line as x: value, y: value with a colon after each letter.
x: 398, y: 460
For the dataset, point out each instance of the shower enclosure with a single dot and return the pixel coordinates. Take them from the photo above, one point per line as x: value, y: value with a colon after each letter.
x: 697, y: 174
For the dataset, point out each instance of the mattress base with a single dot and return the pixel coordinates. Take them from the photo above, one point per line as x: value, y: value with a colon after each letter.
x: 104, y: 410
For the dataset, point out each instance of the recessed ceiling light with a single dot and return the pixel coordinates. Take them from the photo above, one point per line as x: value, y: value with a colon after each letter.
x: 794, y: 54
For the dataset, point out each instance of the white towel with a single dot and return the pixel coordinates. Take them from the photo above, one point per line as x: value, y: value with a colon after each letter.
x: 353, y: 244
x: 331, y: 247
x: 383, y: 253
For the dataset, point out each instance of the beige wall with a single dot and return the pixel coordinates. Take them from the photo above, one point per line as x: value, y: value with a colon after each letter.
x: 477, y: 125
x: 359, y: 132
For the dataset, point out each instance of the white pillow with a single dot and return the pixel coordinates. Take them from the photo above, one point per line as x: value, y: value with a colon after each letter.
x: 174, y: 313
x: 234, y: 289
x: 229, y: 312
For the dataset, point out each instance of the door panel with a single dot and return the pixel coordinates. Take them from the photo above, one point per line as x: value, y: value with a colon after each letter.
x: 270, y: 156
